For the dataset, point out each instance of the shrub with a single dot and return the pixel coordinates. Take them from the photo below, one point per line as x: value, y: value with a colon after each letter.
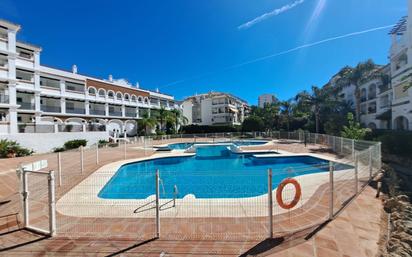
x: 253, y: 123
x: 102, y: 142
x: 58, y: 149
x: 9, y: 149
x: 72, y: 144
x: 393, y: 142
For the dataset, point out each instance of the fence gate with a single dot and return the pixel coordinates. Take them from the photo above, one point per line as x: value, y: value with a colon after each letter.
x: 38, y: 198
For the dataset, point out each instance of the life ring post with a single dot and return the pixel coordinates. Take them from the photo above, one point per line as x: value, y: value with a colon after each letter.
x: 270, y: 204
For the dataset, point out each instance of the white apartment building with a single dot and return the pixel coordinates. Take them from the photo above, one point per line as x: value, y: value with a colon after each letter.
x: 37, y: 98
x: 214, y: 108
x: 266, y: 99
x: 376, y: 100
x: 388, y: 104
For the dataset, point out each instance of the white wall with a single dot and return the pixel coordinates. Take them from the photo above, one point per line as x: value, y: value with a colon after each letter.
x: 207, y: 112
x: 45, y: 142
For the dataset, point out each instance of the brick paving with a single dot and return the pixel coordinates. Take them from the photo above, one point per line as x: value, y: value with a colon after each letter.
x: 354, y: 232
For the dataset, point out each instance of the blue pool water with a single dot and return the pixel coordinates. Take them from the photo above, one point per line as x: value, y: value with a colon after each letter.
x: 214, y: 172
x: 183, y: 146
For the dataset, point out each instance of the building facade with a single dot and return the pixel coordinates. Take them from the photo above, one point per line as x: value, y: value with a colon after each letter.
x: 266, y: 99
x: 214, y: 108
x: 387, y: 103
x: 37, y: 98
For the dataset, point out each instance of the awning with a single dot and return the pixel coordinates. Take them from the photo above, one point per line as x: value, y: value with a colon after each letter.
x: 387, y: 115
x: 233, y: 109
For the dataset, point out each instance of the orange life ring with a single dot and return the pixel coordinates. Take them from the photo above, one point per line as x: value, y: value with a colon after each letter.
x: 298, y: 193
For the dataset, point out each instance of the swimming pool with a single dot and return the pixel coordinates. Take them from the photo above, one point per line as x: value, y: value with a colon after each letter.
x: 214, y: 172
x: 183, y: 146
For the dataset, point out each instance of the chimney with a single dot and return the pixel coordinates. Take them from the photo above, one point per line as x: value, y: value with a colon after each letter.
x: 137, y: 85
x: 111, y: 78
x: 74, y: 68
x: 157, y: 90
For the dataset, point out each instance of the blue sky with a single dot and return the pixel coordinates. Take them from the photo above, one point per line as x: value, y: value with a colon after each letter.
x: 185, y: 47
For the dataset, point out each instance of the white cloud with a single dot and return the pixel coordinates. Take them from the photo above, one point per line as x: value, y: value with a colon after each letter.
x: 275, y: 12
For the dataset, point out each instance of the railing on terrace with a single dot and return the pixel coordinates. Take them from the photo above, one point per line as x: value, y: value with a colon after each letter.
x: 35, y: 128
x: 250, y: 211
x: 97, y: 112
x: 46, y: 108
x: 4, y: 98
x: 26, y: 106
x: 76, y: 110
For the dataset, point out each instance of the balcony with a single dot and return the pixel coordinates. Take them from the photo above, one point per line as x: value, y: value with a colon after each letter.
x: 371, y: 110
x: 4, y: 99
x: 97, y: 112
x: 75, y: 110
x: 48, y: 108
x: 131, y: 114
x: 26, y: 105
x: 115, y: 113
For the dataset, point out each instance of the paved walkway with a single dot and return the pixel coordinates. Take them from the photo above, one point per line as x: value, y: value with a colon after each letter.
x: 353, y: 233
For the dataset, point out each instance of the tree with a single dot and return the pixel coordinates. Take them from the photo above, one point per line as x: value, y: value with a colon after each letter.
x: 354, y: 130
x: 317, y: 99
x: 286, y: 111
x: 179, y: 119
x: 146, y: 123
x: 353, y: 76
x: 253, y: 123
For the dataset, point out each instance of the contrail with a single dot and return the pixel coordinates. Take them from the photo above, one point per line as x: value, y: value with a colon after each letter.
x: 282, y: 53
x: 275, y: 12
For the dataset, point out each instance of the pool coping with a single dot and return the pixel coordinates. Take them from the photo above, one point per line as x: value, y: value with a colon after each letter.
x: 83, y: 201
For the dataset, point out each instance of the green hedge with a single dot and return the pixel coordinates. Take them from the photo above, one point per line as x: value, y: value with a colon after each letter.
x: 200, y: 129
x: 73, y: 144
x: 393, y: 142
x: 10, y: 149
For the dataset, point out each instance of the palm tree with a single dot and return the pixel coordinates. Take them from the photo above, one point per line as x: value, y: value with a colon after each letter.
x: 317, y: 99
x: 286, y: 110
x: 178, y: 118
x: 147, y: 123
x: 354, y: 76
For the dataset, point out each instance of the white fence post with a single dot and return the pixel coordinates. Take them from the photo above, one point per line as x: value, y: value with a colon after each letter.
x: 157, y: 205
x: 331, y: 188
x: 25, y: 195
x: 59, y: 167
x: 370, y: 163
x: 97, y: 153
x: 81, y: 159
x: 52, y: 204
x: 270, y: 204
x: 125, y: 149
x: 353, y: 150
x: 356, y: 173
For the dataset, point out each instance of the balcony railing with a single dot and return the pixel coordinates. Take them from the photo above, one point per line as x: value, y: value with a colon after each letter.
x: 4, y: 99
x: 26, y: 106
x: 97, y: 112
x: 75, y: 110
x: 130, y: 114
x: 35, y: 128
x: 47, y: 108
x: 115, y: 113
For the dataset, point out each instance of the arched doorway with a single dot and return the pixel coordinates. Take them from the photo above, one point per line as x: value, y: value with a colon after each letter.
x: 401, y: 123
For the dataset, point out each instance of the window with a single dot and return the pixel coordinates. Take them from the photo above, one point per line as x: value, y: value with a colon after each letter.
x: 48, y: 82
x: 92, y: 91
x: 119, y: 96
x: 110, y: 94
x: 102, y: 93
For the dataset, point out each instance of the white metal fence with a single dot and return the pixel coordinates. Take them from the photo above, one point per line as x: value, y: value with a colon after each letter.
x: 242, y: 214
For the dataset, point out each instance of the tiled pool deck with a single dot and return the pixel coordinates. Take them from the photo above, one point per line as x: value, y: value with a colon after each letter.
x: 354, y: 232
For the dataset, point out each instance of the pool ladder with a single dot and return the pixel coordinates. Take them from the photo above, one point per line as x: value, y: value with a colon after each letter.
x: 175, y: 194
